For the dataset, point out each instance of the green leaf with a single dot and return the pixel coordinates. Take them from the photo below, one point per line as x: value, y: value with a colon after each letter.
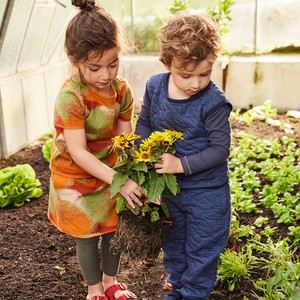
x: 141, y: 166
x: 295, y: 295
x: 154, y: 216
x: 165, y: 209
x: 146, y: 208
x: 46, y: 150
x: 120, y: 164
x: 18, y: 184
x: 144, y: 191
x: 157, y: 185
x: 141, y: 178
x: 121, y: 202
x: 118, y: 180
x: 273, y: 281
x: 171, y: 182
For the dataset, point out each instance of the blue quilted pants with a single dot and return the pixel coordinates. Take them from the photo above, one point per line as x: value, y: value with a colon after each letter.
x: 195, y: 240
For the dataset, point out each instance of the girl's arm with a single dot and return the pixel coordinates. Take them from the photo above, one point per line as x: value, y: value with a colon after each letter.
x: 124, y: 126
x: 76, y: 143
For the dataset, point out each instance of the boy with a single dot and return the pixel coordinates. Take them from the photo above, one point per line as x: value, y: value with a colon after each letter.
x: 185, y: 99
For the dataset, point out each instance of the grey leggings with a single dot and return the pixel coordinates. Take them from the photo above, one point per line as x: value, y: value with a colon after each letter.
x: 89, y: 260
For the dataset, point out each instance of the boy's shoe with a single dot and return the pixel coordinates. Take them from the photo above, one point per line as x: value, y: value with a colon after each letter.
x: 173, y: 295
x: 96, y: 298
x: 168, y: 285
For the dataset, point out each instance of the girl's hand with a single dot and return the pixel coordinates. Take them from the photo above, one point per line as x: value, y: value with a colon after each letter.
x: 131, y: 192
x: 170, y: 164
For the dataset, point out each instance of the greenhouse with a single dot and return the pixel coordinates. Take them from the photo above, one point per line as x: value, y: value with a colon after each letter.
x: 33, y: 63
x: 254, y: 172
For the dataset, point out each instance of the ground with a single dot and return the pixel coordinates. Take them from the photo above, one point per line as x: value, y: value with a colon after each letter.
x: 38, y: 262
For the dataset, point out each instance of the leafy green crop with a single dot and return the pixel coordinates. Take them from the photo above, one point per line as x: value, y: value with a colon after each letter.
x: 47, y: 149
x: 17, y: 185
x: 235, y: 266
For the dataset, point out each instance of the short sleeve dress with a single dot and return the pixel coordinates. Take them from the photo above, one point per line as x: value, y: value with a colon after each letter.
x: 80, y: 204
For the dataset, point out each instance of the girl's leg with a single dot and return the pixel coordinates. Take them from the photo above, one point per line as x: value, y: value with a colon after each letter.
x: 89, y: 262
x: 110, y: 264
x: 109, y: 259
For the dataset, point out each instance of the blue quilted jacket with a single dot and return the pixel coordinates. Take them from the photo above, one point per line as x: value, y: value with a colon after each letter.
x: 160, y: 112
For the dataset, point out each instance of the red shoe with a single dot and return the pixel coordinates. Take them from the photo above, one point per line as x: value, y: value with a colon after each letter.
x: 96, y: 298
x: 126, y: 295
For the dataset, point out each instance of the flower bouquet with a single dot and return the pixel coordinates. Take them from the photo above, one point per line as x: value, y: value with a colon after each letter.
x: 141, y: 230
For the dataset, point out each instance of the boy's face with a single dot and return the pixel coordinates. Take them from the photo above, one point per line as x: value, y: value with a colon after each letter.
x: 187, y: 82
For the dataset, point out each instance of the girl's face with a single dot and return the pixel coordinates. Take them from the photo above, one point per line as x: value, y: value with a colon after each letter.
x: 187, y: 82
x: 99, y: 71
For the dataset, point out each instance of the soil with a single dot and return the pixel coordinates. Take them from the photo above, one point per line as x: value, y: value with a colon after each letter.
x: 38, y: 262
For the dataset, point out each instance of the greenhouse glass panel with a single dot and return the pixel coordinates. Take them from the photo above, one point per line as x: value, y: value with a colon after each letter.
x: 14, y: 36
x: 3, y: 4
x: 54, y: 46
x: 36, y: 35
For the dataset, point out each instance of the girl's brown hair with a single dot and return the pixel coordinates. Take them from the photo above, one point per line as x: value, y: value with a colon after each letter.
x: 92, y: 30
x: 190, y: 38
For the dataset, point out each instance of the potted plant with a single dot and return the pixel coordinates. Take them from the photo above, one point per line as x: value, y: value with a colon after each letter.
x: 141, y: 230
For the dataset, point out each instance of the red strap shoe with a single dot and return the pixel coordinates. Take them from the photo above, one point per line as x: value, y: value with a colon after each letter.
x: 126, y: 295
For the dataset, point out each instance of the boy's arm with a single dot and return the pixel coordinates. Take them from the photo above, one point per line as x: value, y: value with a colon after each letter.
x: 218, y: 130
x: 143, y: 125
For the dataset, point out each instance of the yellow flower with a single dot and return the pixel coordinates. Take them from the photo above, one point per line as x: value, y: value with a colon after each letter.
x: 157, y: 136
x: 123, y: 141
x: 175, y: 134
x: 147, y: 144
x: 122, y: 144
x: 130, y: 136
x: 168, y: 140
x: 142, y: 155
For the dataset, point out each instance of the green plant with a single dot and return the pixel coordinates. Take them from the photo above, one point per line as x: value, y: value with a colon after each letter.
x: 284, y: 283
x: 261, y: 221
x: 46, y: 149
x: 17, y: 185
x: 146, y: 34
x: 147, y: 31
x: 295, y: 234
x: 179, y: 5
x: 276, y: 251
x: 221, y: 13
x: 268, y: 231
x: 235, y: 266
x: 137, y: 163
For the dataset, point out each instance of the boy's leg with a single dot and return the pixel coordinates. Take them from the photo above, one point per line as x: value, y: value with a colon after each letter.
x: 174, y: 256
x: 207, y: 229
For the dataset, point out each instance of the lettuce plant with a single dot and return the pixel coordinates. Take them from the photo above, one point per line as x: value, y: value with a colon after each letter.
x: 17, y: 185
x: 46, y: 150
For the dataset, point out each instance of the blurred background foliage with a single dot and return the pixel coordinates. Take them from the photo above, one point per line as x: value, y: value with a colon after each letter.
x: 142, y: 21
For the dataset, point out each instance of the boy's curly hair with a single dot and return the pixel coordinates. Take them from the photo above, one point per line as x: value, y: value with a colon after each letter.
x: 191, y: 39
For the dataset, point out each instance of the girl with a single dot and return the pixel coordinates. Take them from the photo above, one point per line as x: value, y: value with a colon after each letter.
x: 93, y: 106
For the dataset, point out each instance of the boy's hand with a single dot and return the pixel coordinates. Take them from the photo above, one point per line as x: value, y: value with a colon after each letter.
x: 170, y: 164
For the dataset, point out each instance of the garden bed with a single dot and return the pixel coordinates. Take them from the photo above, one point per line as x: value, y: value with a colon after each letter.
x: 38, y: 262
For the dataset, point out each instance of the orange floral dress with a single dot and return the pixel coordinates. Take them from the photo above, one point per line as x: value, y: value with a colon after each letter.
x: 80, y: 204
